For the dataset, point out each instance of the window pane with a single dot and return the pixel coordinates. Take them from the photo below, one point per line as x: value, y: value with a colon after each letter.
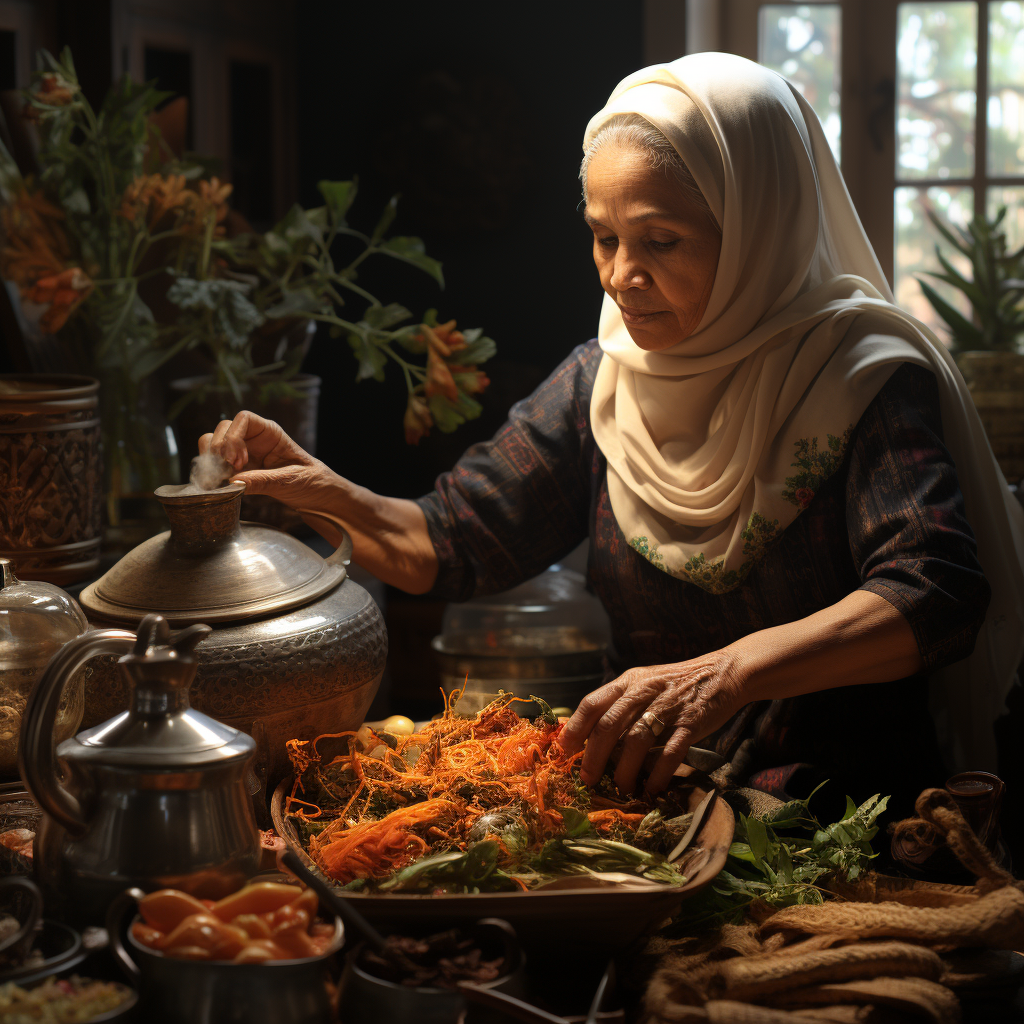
x: 1013, y: 223
x: 937, y: 54
x: 1006, y: 88
x: 803, y: 44
x: 915, y: 249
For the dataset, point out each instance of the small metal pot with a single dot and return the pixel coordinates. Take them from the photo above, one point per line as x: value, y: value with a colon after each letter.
x: 367, y: 999
x: 204, y: 992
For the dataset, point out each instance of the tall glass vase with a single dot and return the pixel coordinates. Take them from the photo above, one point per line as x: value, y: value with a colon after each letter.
x: 140, y: 452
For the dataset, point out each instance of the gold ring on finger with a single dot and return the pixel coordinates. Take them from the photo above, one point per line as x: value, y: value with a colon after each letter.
x: 653, y: 722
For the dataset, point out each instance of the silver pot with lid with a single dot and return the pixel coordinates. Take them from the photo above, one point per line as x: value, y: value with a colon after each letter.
x: 547, y: 638
x: 297, y: 647
x: 154, y: 797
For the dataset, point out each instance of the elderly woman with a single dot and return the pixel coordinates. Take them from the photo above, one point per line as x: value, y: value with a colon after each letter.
x: 770, y: 459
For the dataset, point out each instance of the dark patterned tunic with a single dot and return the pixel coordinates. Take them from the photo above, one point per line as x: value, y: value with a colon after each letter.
x: 889, y: 520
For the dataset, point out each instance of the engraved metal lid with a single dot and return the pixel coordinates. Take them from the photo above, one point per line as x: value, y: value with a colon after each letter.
x: 209, y: 567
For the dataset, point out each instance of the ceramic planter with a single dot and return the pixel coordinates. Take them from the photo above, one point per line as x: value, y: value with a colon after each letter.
x: 996, y: 382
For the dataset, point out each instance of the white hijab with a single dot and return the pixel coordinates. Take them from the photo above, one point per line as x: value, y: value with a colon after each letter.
x: 715, y: 445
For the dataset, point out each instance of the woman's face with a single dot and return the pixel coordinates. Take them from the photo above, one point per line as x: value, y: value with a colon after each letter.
x: 655, y: 250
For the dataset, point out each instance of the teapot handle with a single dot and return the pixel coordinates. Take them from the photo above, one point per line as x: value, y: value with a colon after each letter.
x: 36, y: 753
x: 343, y: 555
x: 117, y: 912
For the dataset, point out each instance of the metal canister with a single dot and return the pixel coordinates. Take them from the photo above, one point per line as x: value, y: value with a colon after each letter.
x: 51, y: 476
x: 546, y: 638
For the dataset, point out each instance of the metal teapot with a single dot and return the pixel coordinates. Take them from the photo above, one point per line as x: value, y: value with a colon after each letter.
x: 155, y: 797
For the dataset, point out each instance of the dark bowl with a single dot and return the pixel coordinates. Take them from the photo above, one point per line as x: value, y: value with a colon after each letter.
x: 367, y: 999
x: 62, y: 951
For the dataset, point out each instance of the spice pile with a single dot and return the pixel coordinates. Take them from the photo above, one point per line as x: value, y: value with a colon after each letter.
x: 437, y: 961
x: 67, y: 1001
x: 472, y: 805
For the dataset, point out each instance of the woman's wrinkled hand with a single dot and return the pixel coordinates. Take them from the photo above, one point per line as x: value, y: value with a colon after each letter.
x: 692, y: 699
x: 269, y: 462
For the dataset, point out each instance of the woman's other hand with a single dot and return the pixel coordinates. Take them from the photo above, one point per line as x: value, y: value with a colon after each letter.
x: 692, y: 699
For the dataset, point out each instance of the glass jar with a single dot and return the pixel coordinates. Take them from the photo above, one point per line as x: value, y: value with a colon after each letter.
x: 36, y: 620
x: 547, y: 638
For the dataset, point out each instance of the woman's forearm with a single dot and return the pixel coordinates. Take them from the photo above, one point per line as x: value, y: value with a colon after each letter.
x: 389, y: 535
x: 860, y: 639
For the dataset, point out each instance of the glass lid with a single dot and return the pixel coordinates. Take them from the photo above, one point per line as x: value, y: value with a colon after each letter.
x: 35, y: 619
x: 209, y: 567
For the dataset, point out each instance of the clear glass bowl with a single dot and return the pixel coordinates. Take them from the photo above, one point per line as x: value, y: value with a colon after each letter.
x: 36, y: 620
x: 547, y: 637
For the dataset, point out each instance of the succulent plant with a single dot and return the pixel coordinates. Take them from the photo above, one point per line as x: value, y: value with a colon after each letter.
x: 995, y: 289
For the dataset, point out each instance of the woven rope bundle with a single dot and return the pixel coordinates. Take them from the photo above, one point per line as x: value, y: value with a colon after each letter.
x: 874, y: 953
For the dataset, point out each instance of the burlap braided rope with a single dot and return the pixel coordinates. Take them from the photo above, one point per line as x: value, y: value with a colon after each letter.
x: 871, y: 954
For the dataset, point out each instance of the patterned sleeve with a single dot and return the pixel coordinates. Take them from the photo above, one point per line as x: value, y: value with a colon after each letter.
x: 514, y: 505
x: 909, y: 535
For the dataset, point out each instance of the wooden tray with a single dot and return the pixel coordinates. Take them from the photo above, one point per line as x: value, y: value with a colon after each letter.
x: 604, y: 917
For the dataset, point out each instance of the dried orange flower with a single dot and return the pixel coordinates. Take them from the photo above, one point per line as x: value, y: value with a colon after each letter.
x: 35, y: 244
x: 53, y: 91
x: 417, y: 420
x: 166, y: 202
x: 64, y: 292
x: 439, y: 378
x: 215, y: 193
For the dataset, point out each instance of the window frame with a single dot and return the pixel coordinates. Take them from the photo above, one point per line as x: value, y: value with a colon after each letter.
x: 981, y: 181
x: 867, y: 98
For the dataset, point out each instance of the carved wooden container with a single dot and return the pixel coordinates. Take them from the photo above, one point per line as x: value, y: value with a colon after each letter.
x: 51, y: 476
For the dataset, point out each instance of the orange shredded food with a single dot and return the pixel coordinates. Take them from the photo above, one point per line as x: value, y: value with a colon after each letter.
x: 389, y: 807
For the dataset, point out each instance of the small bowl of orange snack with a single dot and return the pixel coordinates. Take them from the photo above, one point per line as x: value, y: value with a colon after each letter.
x: 263, y: 947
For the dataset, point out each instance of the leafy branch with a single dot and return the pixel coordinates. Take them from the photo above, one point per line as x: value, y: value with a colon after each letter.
x: 995, y: 288
x: 290, y: 274
x: 779, y: 859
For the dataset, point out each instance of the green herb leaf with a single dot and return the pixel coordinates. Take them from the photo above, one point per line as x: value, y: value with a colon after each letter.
x: 386, y: 220
x: 384, y: 317
x: 477, y: 351
x: 757, y: 838
x: 371, y: 359
x: 339, y: 196
x: 411, y: 250
x: 448, y: 415
x: 575, y: 821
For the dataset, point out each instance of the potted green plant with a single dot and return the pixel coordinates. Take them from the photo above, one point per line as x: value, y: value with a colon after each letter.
x: 248, y: 307
x: 122, y: 257
x: 987, y: 347
x: 78, y: 260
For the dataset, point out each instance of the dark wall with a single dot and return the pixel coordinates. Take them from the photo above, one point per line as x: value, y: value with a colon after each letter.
x: 476, y: 118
